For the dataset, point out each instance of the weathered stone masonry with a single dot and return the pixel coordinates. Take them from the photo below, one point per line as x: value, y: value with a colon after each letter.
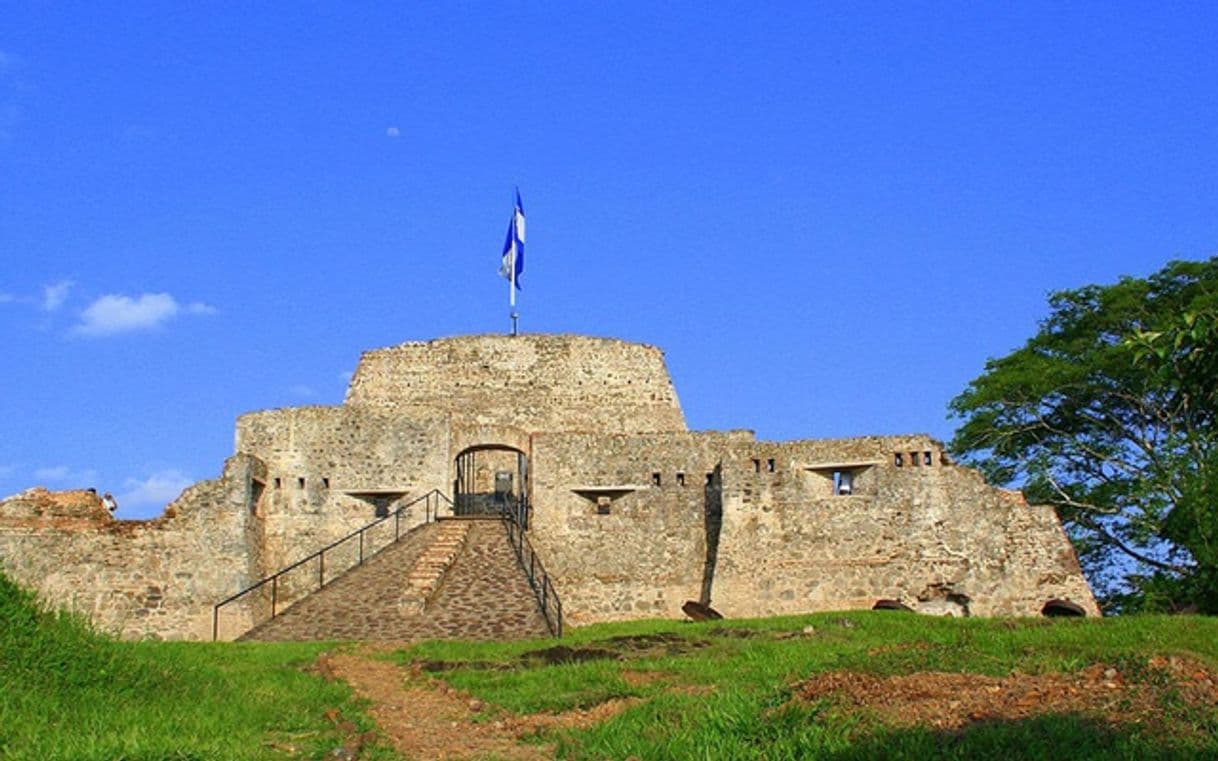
x: 632, y: 513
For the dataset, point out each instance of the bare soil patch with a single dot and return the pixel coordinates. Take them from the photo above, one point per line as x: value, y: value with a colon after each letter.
x: 1138, y: 695
x: 551, y: 656
x: 612, y: 649
x: 424, y: 718
x: 649, y: 645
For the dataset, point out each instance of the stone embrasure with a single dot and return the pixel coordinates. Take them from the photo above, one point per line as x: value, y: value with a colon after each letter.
x: 631, y: 513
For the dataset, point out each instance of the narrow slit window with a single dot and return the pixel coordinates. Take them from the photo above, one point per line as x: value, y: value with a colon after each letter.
x: 300, y: 482
x: 680, y: 479
x: 278, y: 483
x: 256, y: 489
x: 769, y: 465
x: 325, y: 483
x: 914, y: 459
x: 898, y: 459
x: 926, y: 458
x: 710, y: 479
x: 655, y: 479
x: 756, y: 466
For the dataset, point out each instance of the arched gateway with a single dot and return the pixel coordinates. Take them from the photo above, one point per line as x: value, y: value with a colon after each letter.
x: 491, y: 479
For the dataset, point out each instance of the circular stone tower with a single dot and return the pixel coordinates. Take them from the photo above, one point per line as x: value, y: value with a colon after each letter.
x: 531, y: 382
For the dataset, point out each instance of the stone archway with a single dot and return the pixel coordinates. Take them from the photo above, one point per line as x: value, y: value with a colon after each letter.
x: 491, y: 479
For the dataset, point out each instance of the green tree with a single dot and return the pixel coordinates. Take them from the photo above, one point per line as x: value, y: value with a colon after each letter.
x: 1108, y: 413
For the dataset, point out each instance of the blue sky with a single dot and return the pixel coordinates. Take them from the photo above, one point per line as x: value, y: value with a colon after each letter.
x: 828, y: 217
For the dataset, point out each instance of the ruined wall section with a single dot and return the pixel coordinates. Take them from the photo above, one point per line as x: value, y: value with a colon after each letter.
x: 332, y: 470
x: 532, y: 382
x: 928, y: 533
x: 137, y: 579
x: 620, y: 520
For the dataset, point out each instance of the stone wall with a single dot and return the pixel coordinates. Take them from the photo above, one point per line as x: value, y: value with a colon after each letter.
x: 331, y: 470
x: 620, y: 520
x: 137, y: 579
x: 532, y: 382
x: 632, y: 514
x: 928, y: 533
x: 622, y: 524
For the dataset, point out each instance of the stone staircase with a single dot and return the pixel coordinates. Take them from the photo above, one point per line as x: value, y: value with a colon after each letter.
x: 454, y: 579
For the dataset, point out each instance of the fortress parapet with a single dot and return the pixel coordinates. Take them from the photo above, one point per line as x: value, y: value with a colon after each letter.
x: 632, y: 513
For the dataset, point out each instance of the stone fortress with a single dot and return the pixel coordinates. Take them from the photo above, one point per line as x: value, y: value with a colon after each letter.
x: 632, y: 513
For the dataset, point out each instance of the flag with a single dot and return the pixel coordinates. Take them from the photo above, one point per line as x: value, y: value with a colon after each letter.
x: 513, y: 247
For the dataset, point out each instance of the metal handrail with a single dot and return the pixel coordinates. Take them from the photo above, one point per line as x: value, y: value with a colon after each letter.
x: 430, y: 514
x: 543, y: 589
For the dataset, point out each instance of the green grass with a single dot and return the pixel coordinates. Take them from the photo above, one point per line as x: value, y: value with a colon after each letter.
x: 718, y: 693
x: 68, y: 693
x: 704, y: 691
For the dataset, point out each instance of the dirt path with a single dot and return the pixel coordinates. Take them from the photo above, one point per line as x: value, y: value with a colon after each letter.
x: 425, y: 719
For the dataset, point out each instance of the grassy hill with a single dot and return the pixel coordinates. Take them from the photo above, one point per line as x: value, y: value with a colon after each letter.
x: 69, y: 693
x: 841, y: 686
x: 863, y: 685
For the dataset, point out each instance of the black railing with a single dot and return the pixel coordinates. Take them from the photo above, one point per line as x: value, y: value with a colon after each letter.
x: 547, y: 598
x: 433, y: 501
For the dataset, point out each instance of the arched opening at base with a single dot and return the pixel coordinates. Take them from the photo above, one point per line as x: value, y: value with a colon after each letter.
x: 492, y: 479
x: 1062, y: 609
x: 891, y: 605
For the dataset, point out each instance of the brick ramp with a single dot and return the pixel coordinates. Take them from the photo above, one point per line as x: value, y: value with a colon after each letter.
x: 456, y: 579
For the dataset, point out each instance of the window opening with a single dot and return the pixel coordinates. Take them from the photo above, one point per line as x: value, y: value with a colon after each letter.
x: 300, y: 482
x: 926, y: 458
x: 769, y: 465
x: 898, y: 459
x: 256, y: 489
x: 680, y: 479
x: 278, y: 483
x: 756, y: 466
x: 914, y: 459
x: 843, y: 482
x: 655, y: 479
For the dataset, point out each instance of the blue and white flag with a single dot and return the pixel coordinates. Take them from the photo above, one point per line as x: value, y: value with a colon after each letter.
x: 513, y: 247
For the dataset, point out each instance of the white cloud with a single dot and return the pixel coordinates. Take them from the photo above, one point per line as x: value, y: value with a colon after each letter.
x: 158, y: 489
x: 346, y: 375
x: 393, y: 132
x: 115, y: 313
x: 55, y: 294
x: 62, y: 475
x: 302, y: 391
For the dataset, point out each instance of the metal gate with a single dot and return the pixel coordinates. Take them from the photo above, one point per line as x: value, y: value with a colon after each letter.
x: 489, y: 483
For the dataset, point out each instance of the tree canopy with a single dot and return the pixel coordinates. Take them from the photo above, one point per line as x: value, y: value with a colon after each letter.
x: 1108, y: 413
